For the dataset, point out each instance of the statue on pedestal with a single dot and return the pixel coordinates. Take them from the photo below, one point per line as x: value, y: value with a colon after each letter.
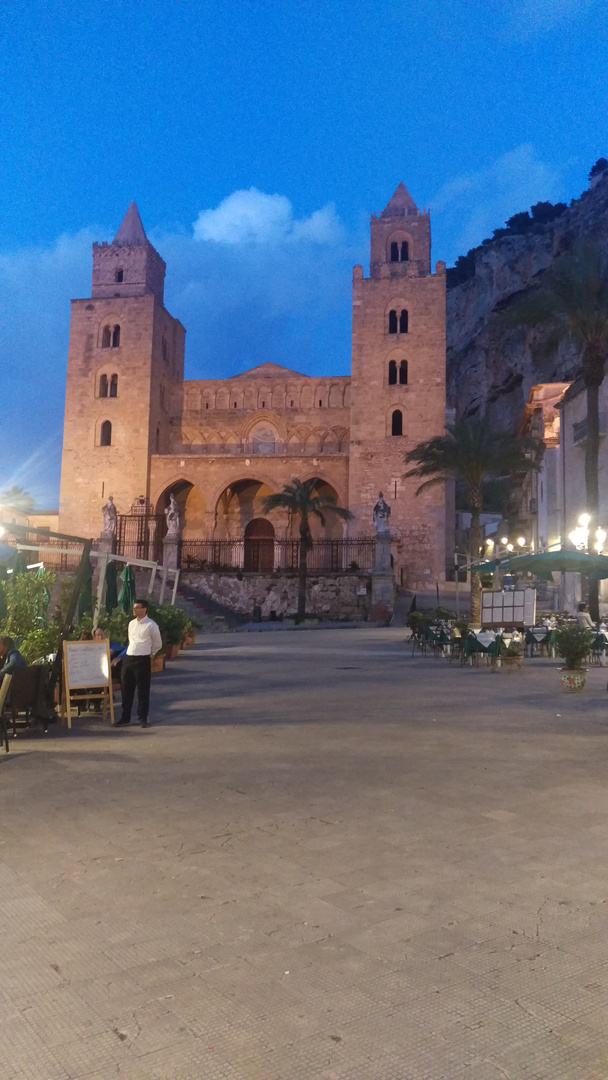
x: 173, y: 518
x: 382, y: 512
x: 109, y: 518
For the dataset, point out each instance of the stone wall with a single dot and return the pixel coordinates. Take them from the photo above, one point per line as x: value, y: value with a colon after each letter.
x: 329, y: 596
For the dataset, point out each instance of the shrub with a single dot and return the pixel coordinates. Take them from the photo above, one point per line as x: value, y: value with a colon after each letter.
x: 39, y: 644
x: 573, y: 644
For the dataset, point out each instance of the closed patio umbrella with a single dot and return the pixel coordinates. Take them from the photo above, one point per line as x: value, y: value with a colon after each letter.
x: 85, y: 597
x: 111, y: 588
x: 126, y: 596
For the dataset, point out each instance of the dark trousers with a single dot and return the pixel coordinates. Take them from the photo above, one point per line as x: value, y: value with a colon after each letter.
x: 136, y: 672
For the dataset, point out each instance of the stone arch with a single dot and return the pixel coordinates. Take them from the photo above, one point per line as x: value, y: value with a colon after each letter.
x: 207, y: 401
x: 250, y: 397
x: 259, y: 546
x: 222, y: 398
x: 335, y: 398
x: 292, y: 394
x: 306, y: 396
x: 264, y: 397
x: 278, y: 397
x: 238, y: 503
x: 192, y: 507
x: 334, y: 526
x: 398, y: 358
x: 396, y: 407
x: 399, y: 237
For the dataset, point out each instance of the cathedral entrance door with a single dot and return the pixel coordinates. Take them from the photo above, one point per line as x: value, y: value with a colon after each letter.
x: 259, y: 546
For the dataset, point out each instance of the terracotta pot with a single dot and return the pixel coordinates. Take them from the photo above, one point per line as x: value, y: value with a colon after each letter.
x: 190, y: 639
x: 171, y: 652
x: 573, y: 679
x: 511, y: 663
x: 158, y: 664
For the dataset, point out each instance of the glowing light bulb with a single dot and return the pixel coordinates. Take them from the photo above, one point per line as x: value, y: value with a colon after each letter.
x: 521, y: 540
x: 509, y: 547
x: 584, y: 520
x: 504, y: 539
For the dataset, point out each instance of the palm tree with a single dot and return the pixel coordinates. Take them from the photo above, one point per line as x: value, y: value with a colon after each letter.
x: 571, y: 301
x: 472, y: 452
x: 303, y: 502
x: 18, y: 499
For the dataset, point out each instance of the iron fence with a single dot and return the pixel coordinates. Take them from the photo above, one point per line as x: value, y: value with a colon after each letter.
x: 140, y: 536
x: 265, y: 556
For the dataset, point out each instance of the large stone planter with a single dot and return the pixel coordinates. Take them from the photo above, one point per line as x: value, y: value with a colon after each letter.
x: 171, y: 651
x: 573, y: 679
x: 511, y: 663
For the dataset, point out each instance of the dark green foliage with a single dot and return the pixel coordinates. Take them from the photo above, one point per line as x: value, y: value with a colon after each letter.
x: 573, y: 643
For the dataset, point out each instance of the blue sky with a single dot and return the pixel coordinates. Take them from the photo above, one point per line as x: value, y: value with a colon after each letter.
x: 256, y: 137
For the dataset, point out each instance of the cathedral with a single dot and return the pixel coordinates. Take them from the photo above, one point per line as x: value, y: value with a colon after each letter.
x: 137, y: 430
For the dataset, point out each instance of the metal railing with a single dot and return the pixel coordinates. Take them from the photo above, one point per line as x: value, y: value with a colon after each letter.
x: 140, y: 536
x: 267, y: 556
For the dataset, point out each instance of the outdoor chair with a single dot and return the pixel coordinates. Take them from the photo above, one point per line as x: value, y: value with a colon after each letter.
x: 26, y: 699
x: 4, y: 689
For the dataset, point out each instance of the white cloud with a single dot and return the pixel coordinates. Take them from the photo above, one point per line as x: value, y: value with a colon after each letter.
x: 468, y: 208
x: 254, y: 217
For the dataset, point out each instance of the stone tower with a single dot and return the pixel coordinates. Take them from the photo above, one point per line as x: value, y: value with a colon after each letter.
x: 398, y: 385
x: 125, y: 368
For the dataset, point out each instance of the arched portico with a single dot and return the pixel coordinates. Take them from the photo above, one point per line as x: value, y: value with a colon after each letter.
x: 192, y: 508
x: 239, y: 504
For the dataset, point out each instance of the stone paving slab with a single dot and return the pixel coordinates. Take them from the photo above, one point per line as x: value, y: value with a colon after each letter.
x: 327, y: 860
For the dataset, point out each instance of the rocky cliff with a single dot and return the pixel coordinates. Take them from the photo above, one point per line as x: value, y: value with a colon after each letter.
x: 488, y: 366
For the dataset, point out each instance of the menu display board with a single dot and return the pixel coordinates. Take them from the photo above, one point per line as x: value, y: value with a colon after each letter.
x: 87, y: 675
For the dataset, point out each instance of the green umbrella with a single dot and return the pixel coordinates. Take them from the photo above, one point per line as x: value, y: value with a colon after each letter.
x: 85, y: 597
x: 18, y: 564
x: 544, y: 563
x: 111, y: 588
x: 126, y: 596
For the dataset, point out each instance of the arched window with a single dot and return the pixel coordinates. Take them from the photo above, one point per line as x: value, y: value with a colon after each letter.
x: 118, y: 276
x: 392, y: 372
x: 403, y: 322
x: 263, y: 441
x: 392, y: 322
x: 105, y: 435
x: 116, y: 337
x: 405, y: 251
x: 397, y: 422
x: 103, y: 385
x: 394, y: 252
x: 114, y: 386
x: 403, y: 373
x: 106, y: 337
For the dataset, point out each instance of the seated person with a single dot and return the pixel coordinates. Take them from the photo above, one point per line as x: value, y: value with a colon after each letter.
x: 584, y: 618
x: 10, y: 655
x: 117, y: 652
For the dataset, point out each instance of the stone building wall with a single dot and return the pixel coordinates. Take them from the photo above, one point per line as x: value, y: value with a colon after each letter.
x: 330, y: 597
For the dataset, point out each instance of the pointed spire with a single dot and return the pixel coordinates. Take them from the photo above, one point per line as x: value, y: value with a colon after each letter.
x: 131, y: 232
x: 400, y: 202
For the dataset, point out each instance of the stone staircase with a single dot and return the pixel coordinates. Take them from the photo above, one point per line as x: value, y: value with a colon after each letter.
x: 213, y: 617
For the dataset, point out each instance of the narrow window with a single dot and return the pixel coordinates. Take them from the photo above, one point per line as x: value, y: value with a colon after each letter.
x: 403, y: 322
x: 392, y: 372
x: 394, y: 252
x: 106, y: 337
x: 165, y: 353
x: 157, y: 443
x: 206, y: 404
x: 291, y: 405
x: 116, y: 337
x: 103, y: 385
x: 162, y: 397
x: 114, y: 386
x: 403, y: 373
x: 105, y: 438
x: 320, y: 403
x: 118, y: 276
x: 235, y: 405
x: 397, y: 422
x: 392, y: 322
x: 263, y: 404
x: 405, y: 251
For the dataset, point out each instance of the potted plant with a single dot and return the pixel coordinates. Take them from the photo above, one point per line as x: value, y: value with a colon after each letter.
x: 512, y: 658
x: 573, y: 644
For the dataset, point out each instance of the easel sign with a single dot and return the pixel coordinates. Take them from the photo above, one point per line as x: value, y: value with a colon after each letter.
x: 87, y: 674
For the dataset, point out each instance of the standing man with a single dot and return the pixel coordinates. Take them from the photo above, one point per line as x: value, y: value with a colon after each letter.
x: 144, y: 643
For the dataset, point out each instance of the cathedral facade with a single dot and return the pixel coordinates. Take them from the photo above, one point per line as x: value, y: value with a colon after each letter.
x: 137, y: 430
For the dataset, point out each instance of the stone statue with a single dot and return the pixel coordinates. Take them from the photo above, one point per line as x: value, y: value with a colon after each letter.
x: 109, y: 518
x: 173, y: 517
x: 382, y: 512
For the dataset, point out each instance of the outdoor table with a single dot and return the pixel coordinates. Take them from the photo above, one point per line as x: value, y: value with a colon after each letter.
x: 599, y: 646
x: 471, y: 646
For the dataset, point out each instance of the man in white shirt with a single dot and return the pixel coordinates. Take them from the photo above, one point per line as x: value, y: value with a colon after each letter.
x: 144, y: 643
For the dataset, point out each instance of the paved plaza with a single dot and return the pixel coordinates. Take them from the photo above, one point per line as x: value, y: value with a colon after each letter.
x: 327, y: 861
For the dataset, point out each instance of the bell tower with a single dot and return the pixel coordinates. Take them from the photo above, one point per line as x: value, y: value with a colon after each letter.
x: 398, y: 386
x: 124, y: 373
